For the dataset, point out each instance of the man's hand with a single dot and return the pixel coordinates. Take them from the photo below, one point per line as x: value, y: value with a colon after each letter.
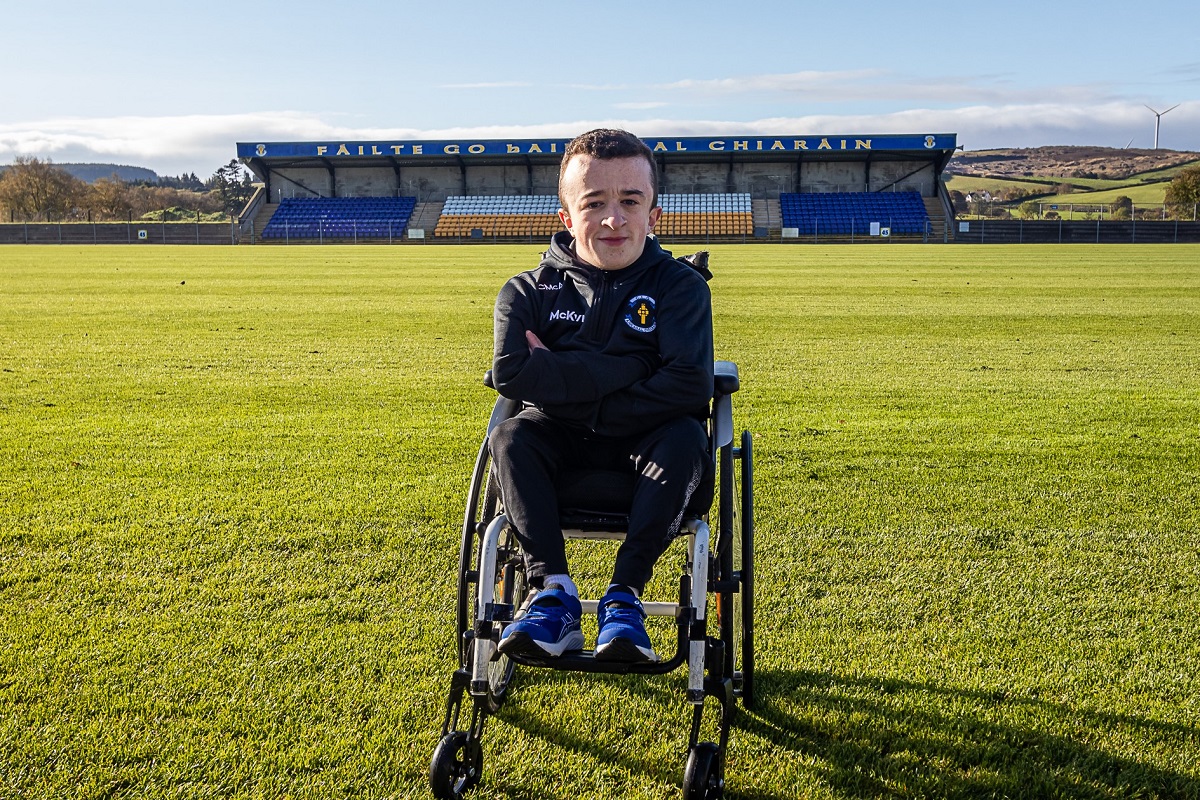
x: 534, y: 342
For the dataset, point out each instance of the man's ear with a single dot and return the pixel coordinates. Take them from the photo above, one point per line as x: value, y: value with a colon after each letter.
x: 565, y: 218
x: 655, y: 216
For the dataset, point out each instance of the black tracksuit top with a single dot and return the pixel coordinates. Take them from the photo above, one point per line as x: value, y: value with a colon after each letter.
x: 629, y: 349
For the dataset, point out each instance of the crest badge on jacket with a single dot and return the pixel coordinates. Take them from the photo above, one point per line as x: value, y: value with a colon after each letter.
x: 639, y: 314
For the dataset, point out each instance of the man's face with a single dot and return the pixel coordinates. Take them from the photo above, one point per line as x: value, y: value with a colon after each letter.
x: 608, y: 209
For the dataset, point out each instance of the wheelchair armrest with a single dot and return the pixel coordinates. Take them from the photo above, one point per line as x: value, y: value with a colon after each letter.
x: 725, y: 383
x: 503, y: 408
x: 725, y: 378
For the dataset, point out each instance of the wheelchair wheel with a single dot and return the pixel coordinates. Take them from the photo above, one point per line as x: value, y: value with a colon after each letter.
x: 456, y: 766
x: 483, y: 503
x: 701, y: 777
x: 510, y: 590
x: 745, y: 566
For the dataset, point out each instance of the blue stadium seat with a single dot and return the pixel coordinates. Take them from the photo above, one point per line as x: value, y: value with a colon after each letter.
x: 340, y: 217
x: 844, y: 213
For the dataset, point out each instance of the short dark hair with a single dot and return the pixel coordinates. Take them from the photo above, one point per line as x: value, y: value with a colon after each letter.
x: 606, y: 143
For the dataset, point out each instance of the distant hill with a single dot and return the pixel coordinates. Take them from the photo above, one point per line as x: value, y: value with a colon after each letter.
x: 1066, y: 162
x: 90, y: 173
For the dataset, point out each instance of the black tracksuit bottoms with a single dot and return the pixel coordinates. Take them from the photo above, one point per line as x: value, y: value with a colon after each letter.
x: 531, y: 449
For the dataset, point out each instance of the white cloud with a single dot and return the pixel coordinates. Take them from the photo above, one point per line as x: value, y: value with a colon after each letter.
x: 198, y: 143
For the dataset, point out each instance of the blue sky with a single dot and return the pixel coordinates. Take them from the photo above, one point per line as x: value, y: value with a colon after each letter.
x: 173, y: 86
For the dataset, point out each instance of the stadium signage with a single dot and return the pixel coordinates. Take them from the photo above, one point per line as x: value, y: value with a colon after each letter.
x: 497, y: 147
x: 778, y: 144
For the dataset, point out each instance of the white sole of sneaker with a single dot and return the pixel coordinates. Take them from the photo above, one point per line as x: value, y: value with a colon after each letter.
x: 525, y: 645
x: 624, y: 650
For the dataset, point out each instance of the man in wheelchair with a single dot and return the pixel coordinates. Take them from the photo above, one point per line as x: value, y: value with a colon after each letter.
x: 608, y: 344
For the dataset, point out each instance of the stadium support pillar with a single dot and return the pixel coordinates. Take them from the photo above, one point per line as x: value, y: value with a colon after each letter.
x: 258, y: 167
x: 462, y: 175
x: 332, y: 177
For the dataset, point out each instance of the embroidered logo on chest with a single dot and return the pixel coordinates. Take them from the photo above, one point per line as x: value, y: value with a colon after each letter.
x: 639, y: 314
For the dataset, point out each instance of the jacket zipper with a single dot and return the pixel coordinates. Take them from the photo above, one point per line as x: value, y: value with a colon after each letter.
x: 598, y: 323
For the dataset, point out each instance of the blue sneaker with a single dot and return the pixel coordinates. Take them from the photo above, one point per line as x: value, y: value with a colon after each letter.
x: 549, y: 627
x: 622, y: 628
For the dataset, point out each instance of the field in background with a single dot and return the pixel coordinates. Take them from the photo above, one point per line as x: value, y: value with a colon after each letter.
x: 231, y: 482
x: 1144, y: 189
x: 1139, y: 193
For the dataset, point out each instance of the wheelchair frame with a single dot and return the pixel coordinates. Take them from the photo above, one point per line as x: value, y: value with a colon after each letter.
x: 491, y: 586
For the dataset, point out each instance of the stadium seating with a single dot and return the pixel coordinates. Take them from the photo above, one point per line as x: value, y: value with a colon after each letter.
x: 851, y: 213
x: 340, y: 218
x: 536, y: 216
x: 705, y: 215
x: 505, y: 216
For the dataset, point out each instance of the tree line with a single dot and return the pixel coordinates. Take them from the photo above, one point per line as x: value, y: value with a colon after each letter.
x: 32, y: 190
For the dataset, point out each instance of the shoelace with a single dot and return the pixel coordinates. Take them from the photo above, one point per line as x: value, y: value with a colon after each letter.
x: 540, y: 609
x: 623, y: 612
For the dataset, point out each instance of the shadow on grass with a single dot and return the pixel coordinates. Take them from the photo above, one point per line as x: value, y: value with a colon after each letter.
x: 667, y: 693
x: 874, y: 737
x: 869, y: 737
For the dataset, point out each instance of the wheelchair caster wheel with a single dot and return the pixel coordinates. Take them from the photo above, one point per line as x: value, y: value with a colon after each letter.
x: 456, y: 765
x: 701, y: 777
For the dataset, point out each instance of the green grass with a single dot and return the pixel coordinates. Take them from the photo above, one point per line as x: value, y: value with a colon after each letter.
x: 231, y: 482
x: 1166, y: 173
x: 1037, y: 184
x: 974, y: 183
x: 1149, y: 194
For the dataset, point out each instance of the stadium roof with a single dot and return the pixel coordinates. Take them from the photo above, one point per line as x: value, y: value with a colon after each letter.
x: 262, y: 156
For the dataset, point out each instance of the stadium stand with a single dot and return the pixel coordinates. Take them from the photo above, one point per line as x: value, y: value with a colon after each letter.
x: 851, y: 213
x: 712, y: 188
x: 340, y: 218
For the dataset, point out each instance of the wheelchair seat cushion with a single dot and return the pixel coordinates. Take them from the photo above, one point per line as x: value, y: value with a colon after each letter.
x: 594, y: 499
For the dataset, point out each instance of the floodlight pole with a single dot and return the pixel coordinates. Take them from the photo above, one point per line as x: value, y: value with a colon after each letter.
x: 1158, y: 115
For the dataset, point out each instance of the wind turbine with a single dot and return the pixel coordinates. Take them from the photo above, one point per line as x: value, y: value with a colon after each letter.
x: 1158, y: 115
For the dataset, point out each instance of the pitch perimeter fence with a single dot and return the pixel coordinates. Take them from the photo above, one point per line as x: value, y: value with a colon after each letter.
x: 119, y: 233
x: 985, y: 231
x: 976, y: 231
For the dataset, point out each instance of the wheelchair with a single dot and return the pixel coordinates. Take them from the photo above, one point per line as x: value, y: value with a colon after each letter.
x: 717, y: 580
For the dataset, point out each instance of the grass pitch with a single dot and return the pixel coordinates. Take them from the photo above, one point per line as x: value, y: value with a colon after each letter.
x: 231, y: 481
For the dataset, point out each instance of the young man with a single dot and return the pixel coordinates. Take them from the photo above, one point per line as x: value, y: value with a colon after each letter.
x: 609, y: 344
